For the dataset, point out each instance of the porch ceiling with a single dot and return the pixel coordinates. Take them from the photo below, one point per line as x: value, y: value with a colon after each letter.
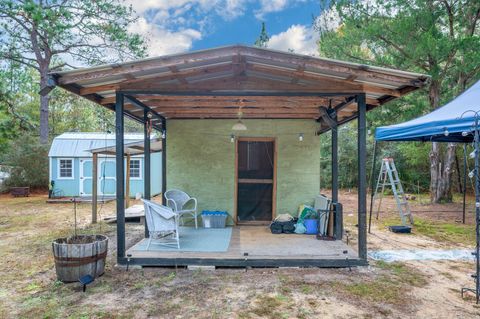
x: 221, y: 82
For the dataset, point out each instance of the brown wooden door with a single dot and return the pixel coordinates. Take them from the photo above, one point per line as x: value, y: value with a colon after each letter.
x: 255, y: 167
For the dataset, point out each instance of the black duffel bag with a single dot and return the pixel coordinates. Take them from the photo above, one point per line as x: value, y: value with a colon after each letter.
x: 287, y: 227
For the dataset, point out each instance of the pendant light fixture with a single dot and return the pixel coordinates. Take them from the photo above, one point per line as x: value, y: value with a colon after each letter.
x: 239, y: 126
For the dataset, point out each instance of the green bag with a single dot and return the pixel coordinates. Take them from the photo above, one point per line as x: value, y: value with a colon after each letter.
x: 306, y: 212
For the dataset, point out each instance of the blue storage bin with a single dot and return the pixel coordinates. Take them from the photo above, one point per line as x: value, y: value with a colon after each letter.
x: 214, y: 219
x: 311, y: 225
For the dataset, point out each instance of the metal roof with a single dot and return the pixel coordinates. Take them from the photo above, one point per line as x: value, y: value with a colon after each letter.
x: 79, y: 144
x: 133, y: 148
x: 221, y: 82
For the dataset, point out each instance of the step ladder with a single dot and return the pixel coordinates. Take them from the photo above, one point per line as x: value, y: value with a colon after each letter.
x: 389, y: 177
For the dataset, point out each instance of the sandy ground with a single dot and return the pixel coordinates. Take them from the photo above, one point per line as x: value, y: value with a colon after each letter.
x: 400, y: 290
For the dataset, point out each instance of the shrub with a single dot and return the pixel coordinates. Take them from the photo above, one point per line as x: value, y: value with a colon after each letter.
x: 27, y: 160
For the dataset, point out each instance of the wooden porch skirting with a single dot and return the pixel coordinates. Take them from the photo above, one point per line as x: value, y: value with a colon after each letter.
x: 255, y: 246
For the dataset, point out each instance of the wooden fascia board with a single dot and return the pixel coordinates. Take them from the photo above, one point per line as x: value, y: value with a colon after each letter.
x: 365, y: 71
x: 141, y: 66
x: 316, y: 77
x: 178, y: 75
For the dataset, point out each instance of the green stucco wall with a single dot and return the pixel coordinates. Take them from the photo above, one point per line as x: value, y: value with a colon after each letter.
x: 201, y: 160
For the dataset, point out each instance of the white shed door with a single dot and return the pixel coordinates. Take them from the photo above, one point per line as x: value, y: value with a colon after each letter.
x: 107, y: 184
x: 86, y: 177
x: 106, y: 177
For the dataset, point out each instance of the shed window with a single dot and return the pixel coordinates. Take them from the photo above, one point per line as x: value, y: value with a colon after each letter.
x: 65, y: 168
x: 135, y: 168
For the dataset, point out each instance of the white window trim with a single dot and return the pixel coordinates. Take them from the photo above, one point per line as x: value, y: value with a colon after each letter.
x: 140, y: 176
x: 58, y: 167
x: 50, y: 176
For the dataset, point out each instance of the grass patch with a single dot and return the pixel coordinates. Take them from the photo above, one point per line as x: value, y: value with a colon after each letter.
x: 390, y: 287
x: 447, y: 275
x: 447, y: 232
x: 165, y: 279
x: 267, y: 306
x: 438, y: 230
x: 381, y: 290
x: 404, y: 274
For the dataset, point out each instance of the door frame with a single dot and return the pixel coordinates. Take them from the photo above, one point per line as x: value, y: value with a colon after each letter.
x: 274, y: 183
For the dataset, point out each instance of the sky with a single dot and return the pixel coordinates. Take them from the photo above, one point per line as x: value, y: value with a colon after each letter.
x: 174, y: 26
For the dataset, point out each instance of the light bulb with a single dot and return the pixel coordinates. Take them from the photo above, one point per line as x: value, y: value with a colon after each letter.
x: 446, y: 133
x: 300, y: 137
x: 232, y: 138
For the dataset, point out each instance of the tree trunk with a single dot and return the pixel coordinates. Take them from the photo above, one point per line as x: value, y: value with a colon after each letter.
x: 441, y: 173
x: 440, y: 170
x: 44, y: 100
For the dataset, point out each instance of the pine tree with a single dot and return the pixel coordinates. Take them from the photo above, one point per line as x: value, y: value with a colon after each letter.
x: 263, y: 38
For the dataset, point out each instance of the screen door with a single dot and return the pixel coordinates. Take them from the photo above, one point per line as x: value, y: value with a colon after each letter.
x: 255, y: 183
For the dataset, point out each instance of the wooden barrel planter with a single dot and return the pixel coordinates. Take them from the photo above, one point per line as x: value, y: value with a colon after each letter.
x: 79, y: 256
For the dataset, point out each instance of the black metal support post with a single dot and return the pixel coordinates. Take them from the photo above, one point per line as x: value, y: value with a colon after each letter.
x: 120, y: 175
x: 147, y: 162
x: 362, y: 176
x: 464, y: 181
x: 164, y: 160
x: 372, y: 184
x: 338, y: 213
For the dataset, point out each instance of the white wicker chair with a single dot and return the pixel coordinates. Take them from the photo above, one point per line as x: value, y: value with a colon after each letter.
x: 162, y: 224
x: 182, y: 203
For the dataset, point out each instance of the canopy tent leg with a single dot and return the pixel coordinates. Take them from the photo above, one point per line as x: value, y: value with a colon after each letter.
x: 464, y: 181
x: 476, y: 145
x: 372, y: 190
x: 477, y: 208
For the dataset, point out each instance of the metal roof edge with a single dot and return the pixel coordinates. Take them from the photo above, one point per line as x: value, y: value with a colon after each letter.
x: 365, y: 67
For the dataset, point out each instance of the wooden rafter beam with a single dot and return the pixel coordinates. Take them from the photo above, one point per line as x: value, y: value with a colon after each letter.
x: 238, y: 103
x: 180, y: 77
x: 165, y: 100
x: 239, y: 65
x: 235, y: 116
x: 157, y: 78
x: 315, y: 77
x: 206, y: 57
x: 234, y: 112
x: 364, y: 71
x: 300, y: 70
x: 245, y: 84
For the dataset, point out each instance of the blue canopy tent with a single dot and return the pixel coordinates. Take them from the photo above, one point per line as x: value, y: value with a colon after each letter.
x: 457, y: 121
x: 445, y: 124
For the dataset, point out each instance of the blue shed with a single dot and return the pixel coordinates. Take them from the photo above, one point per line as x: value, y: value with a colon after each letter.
x: 70, y: 164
